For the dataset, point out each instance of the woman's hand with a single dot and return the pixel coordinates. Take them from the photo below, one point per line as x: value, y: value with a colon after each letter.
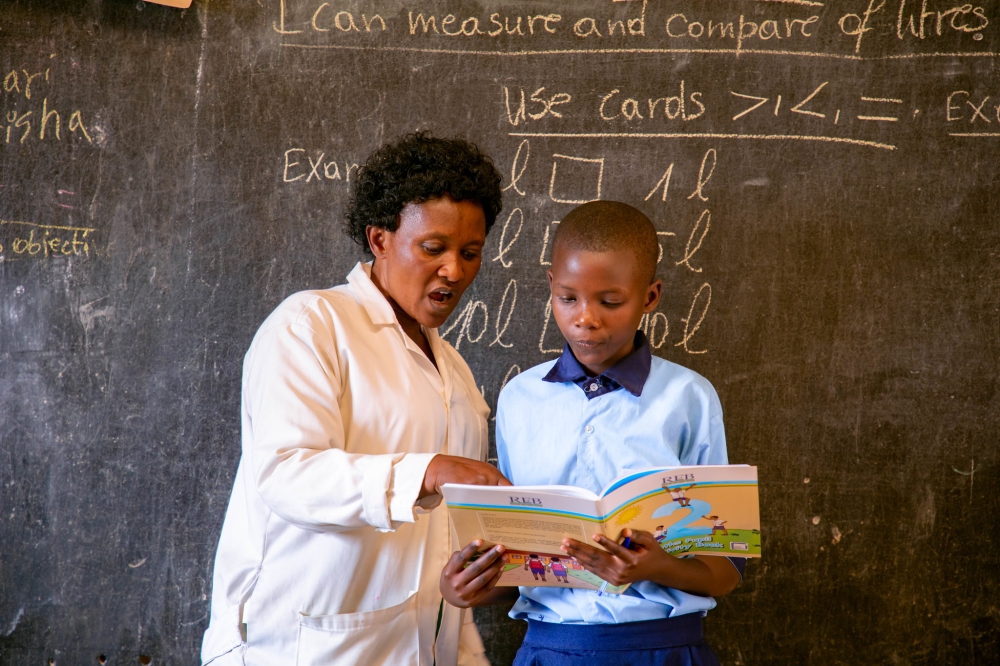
x: 465, y: 586
x: 646, y: 560
x: 456, y: 469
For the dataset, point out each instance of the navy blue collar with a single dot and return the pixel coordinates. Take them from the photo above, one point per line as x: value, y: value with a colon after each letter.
x: 629, y: 373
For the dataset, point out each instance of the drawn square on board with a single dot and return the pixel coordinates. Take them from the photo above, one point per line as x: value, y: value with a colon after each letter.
x: 575, y: 180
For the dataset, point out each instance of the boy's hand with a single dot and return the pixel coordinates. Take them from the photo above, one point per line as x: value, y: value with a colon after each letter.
x: 703, y: 575
x: 644, y: 560
x: 456, y: 469
x: 463, y: 586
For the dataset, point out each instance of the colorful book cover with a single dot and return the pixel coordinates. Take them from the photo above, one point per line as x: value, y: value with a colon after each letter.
x: 703, y: 510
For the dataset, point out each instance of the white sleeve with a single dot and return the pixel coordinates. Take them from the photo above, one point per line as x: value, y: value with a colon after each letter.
x: 292, y: 391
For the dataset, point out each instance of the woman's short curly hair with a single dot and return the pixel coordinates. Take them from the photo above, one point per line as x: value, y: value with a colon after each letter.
x: 415, y: 169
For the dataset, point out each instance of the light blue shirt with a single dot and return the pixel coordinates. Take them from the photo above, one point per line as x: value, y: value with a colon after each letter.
x: 551, y: 433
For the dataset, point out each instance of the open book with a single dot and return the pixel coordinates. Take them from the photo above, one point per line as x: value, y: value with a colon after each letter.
x: 703, y: 509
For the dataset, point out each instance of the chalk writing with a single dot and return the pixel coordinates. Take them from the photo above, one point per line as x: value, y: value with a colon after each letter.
x: 474, y: 319
x: 705, y: 172
x: 696, y: 315
x: 665, y: 182
x: 706, y: 135
x: 650, y: 323
x: 962, y: 105
x: 539, y: 105
x: 677, y: 106
x: 545, y: 329
x: 45, y: 241
x: 780, y: 28
x: 689, y: 251
x: 299, y: 165
x: 41, y: 121
x: 518, y: 166
x: 543, y: 257
x: 466, y: 320
x: 505, y: 233
x: 919, y: 23
x: 561, y: 189
x: 501, y: 329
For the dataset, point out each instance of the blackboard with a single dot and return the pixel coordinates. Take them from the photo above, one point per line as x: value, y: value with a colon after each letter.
x: 823, y: 175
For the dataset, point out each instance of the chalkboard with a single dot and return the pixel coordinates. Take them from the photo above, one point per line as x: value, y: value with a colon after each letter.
x: 823, y: 176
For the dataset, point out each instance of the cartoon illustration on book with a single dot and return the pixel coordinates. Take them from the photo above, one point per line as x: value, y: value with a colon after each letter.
x: 678, y: 494
x: 537, y: 566
x: 558, y: 569
x: 706, y: 509
x: 717, y: 525
x: 527, y: 568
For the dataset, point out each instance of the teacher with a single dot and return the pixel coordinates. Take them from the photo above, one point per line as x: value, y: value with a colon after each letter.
x: 354, y: 413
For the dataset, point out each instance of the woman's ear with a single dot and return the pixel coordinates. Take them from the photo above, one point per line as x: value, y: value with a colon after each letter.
x: 653, y: 293
x: 377, y: 237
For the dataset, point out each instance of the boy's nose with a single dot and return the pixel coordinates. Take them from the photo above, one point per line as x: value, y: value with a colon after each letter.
x: 586, y: 318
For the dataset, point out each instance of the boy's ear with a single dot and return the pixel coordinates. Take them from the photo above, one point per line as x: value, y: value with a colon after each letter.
x: 653, y: 293
x: 549, y: 273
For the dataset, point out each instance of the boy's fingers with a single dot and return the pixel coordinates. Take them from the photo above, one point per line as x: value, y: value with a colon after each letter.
x: 643, y: 538
x: 614, y: 548
x: 587, y: 555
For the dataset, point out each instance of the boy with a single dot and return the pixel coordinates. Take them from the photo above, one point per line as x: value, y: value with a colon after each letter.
x: 605, y: 406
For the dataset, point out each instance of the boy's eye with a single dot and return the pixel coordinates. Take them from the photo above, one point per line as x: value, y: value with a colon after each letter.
x: 612, y: 304
x: 567, y: 299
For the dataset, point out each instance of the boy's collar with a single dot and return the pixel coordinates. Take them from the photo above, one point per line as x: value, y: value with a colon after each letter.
x: 630, y: 372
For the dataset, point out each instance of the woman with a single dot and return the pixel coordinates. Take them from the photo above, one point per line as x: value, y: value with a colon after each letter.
x: 355, y: 413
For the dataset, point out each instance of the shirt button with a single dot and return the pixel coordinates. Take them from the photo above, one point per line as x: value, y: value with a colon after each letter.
x: 589, y: 429
x: 593, y: 387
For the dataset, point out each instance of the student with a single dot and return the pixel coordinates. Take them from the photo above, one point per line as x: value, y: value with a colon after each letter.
x: 605, y: 406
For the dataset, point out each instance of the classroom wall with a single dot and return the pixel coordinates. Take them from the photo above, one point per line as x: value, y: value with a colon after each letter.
x: 823, y: 177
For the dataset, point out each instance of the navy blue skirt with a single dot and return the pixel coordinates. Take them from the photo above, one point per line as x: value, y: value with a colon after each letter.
x: 676, y: 641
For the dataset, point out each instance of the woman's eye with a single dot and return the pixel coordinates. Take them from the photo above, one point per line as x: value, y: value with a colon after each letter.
x: 470, y: 256
x: 433, y: 249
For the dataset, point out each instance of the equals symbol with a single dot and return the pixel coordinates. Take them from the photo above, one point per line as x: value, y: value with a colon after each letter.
x: 881, y: 100
x: 64, y: 193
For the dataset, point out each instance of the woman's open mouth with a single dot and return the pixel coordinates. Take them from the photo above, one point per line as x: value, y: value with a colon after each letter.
x: 441, y: 296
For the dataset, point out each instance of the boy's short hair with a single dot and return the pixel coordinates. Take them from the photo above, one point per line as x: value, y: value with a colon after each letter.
x: 603, y: 226
x: 415, y: 169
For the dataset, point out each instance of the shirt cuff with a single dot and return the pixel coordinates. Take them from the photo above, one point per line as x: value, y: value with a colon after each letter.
x: 407, y: 481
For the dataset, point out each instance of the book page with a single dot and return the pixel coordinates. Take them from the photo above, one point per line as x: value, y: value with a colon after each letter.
x: 531, y: 523
x: 701, y: 509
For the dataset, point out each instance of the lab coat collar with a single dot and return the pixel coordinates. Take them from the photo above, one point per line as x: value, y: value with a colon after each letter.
x: 373, y: 300
x: 382, y: 314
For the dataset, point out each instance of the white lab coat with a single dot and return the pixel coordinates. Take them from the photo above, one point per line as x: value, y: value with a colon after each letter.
x: 325, y: 557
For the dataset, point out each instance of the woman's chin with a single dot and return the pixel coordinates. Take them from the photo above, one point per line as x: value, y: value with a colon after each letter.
x: 436, y: 315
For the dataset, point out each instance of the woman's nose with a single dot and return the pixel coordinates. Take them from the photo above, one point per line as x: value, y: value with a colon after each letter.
x: 451, y: 270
